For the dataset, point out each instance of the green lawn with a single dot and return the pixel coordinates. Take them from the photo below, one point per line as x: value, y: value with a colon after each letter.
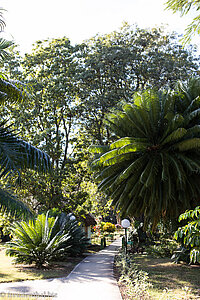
x: 11, y: 272
x: 169, y: 280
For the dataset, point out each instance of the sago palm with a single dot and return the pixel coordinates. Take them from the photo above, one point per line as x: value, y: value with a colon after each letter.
x: 37, y: 241
x: 153, y: 167
x: 46, y: 239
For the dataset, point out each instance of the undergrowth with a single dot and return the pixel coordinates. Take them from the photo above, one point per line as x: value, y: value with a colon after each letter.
x: 136, y: 281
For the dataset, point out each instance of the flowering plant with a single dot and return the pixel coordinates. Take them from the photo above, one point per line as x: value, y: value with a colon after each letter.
x: 118, y: 226
x: 108, y: 227
x: 98, y: 229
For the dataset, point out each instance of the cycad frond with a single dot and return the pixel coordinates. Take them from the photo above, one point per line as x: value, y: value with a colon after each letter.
x: 153, y: 169
x: 16, y: 154
x: 4, y: 44
x: 11, y: 204
x: 2, y: 22
x: 9, y: 91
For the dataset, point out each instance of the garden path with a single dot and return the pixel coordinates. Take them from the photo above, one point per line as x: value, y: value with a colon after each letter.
x: 91, y: 279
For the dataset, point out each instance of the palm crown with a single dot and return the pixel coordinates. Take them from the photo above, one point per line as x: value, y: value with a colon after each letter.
x: 152, y: 169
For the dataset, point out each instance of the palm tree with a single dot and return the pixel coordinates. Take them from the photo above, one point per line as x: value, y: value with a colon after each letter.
x: 15, y: 154
x: 4, y: 44
x: 153, y: 166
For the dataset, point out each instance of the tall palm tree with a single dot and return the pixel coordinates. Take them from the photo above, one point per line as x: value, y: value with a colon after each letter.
x: 15, y: 154
x: 153, y: 166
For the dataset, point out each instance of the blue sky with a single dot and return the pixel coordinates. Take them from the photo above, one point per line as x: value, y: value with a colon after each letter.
x: 28, y: 21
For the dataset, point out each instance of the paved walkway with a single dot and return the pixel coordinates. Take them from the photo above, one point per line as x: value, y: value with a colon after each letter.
x: 92, y: 279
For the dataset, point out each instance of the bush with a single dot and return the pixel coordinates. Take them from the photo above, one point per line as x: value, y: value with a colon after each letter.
x: 45, y: 239
x: 109, y: 227
x: 163, y: 248
x: 189, y: 237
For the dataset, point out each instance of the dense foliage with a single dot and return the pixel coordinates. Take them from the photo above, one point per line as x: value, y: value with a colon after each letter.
x: 75, y: 87
x: 189, y: 235
x: 109, y: 227
x: 152, y: 168
x: 45, y: 239
x: 15, y: 154
x: 114, y: 66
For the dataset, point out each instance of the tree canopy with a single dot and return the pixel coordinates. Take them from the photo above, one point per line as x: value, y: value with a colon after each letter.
x: 74, y: 88
x: 114, y: 66
x: 15, y: 154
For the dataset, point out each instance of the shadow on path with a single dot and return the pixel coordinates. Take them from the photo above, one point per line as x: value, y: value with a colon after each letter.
x: 91, y: 279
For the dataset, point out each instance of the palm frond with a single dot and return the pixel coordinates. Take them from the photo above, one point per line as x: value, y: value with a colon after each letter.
x: 98, y: 149
x: 16, y: 154
x: 2, y: 22
x: 12, y: 204
x: 9, y: 91
x: 4, y: 44
x: 154, y: 165
x: 189, y: 144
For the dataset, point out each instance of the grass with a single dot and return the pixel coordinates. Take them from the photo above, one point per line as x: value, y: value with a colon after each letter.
x: 169, y: 280
x: 10, y: 272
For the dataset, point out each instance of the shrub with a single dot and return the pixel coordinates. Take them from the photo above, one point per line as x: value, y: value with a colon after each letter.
x: 163, y: 248
x: 108, y: 227
x: 136, y: 281
x: 45, y: 239
x: 189, y: 236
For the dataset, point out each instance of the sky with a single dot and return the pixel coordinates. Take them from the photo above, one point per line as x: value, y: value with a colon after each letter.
x: 78, y: 20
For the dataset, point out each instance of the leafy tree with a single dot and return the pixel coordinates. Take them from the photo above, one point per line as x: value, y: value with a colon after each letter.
x: 189, y: 234
x: 152, y: 168
x: 114, y: 66
x: 75, y: 88
x: 15, y: 154
x: 53, y: 125
x: 184, y: 6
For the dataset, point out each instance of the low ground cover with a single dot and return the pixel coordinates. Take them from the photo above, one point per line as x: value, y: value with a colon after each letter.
x: 159, y: 278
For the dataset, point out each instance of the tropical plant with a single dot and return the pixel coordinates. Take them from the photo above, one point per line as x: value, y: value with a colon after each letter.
x: 136, y: 281
x: 109, y: 227
x: 15, y: 154
x: 45, y: 239
x: 37, y: 241
x: 77, y: 241
x: 189, y: 236
x: 4, y: 44
x: 152, y: 168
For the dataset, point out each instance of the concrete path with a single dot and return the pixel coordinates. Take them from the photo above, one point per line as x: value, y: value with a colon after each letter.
x: 92, y: 279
